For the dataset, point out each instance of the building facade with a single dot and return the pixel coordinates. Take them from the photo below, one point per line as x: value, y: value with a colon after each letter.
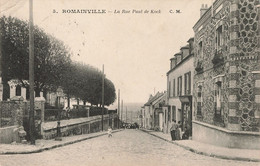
x: 179, y: 83
x: 226, y: 96
x: 153, y: 110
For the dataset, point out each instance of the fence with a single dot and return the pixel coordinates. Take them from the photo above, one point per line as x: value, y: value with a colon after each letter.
x: 54, y: 114
x: 11, y: 113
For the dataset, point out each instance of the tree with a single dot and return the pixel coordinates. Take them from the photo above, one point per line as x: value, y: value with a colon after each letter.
x: 110, y: 92
x: 85, y: 82
x: 51, y: 55
x: 52, y: 66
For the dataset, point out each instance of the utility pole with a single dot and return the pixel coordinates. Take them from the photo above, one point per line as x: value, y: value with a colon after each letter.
x: 131, y: 116
x: 122, y: 109
x: 31, y: 73
x: 125, y: 114
x: 103, y: 91
x: 118, y: 108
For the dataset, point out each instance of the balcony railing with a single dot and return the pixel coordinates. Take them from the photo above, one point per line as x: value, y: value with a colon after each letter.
x: 218, y: 57
x: 199, y: 67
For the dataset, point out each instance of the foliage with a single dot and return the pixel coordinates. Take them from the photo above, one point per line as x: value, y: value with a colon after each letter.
x: 52, y: 64
x: 87, y: 84
x: 51, y: 55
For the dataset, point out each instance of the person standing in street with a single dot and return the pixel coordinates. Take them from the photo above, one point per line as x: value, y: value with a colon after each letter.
x: 109, y: 132
x: 178, y: 131
x: 173, y: 129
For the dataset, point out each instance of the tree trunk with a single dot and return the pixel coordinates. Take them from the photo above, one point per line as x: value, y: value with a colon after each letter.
x: 84, y: 102
x: 68, y: 100
x: 77, y: 101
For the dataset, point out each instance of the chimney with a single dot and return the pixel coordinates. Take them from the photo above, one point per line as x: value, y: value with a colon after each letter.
x: 203, y: 9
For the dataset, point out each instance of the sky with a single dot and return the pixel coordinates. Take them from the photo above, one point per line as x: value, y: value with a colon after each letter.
x: 135, y: 48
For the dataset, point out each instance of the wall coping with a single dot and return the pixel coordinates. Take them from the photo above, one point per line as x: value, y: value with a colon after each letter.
x: 226, y: 130
x: 7, y: 127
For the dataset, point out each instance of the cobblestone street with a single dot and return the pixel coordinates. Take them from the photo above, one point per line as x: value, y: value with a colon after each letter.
x: 125, y: 148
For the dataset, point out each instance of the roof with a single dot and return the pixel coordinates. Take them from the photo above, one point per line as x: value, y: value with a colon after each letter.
x: 179, y: 53
x: 192, y: 38
x: 153, y: 98
x: 185, y: 47
x: 181, y: 62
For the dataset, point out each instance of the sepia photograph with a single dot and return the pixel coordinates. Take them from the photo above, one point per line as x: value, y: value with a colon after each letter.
x: 129, y: 82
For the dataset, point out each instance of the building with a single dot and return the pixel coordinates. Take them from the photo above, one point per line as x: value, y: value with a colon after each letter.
x: 226, y: 96
x: 152, y: 108
x: 141, y: 117
x: 179, y: 83
x: 158, y: 106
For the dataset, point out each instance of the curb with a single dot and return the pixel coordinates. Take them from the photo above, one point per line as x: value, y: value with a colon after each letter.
x: 56, y: 146
x: 205, y: 153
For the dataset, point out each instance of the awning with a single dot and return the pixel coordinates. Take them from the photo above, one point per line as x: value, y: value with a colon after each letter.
x: 185, y: 99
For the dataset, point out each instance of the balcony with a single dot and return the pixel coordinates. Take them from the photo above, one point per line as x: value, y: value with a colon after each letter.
x: 199, y: 67
x: 218, y: 57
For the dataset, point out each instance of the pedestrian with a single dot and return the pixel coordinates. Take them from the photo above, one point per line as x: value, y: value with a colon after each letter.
x: 173, y: 129
x: 178, y: 131
x: 109, y: 131
x: 68, y: 112
x: 186, y: 133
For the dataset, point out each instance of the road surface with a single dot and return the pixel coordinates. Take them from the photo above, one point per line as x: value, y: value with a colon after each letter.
x: 126, y: 148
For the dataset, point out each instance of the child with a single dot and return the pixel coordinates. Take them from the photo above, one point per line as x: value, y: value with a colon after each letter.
x: 109, y: 132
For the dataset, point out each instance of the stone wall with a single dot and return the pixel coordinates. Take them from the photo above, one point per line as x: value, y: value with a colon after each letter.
x: 236, y: 62
x: 243, y: 66
x: 219, y: 136
x: 11, y: 113
x: 79, y: 126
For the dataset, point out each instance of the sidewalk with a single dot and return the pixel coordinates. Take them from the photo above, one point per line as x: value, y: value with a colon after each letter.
x: 42, y: 145
x: 210, y: 150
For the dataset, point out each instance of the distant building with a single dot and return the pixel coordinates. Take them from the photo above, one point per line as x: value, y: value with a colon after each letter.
x: 179, y: 83
x: 152, y: 109
x: 142, y: 119
x: 227, y: 78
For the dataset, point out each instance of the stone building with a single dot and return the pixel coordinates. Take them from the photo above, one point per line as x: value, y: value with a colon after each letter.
x: 227, y: 74
x: 179, y: 83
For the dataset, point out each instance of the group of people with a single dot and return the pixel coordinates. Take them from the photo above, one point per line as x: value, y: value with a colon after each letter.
x: 176, y: 132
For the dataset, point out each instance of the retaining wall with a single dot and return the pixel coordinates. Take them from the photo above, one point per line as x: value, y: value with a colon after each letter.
x: 79, y: 126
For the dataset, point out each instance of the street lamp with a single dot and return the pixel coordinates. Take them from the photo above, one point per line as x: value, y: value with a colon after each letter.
x: 59, y: 95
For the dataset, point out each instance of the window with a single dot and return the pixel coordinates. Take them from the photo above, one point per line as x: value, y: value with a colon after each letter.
x: 219, y: 38
x: 169, y: 113
x: 200, y: 51
x: 179, y: 88
x: 218, y: 99
x: 18, y: 90
x: 173, y: 113
x: 169, y: 90
x: 187, y: 83
x: 199, y: 100
x: 165, y: 116
x: 174, y: 93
